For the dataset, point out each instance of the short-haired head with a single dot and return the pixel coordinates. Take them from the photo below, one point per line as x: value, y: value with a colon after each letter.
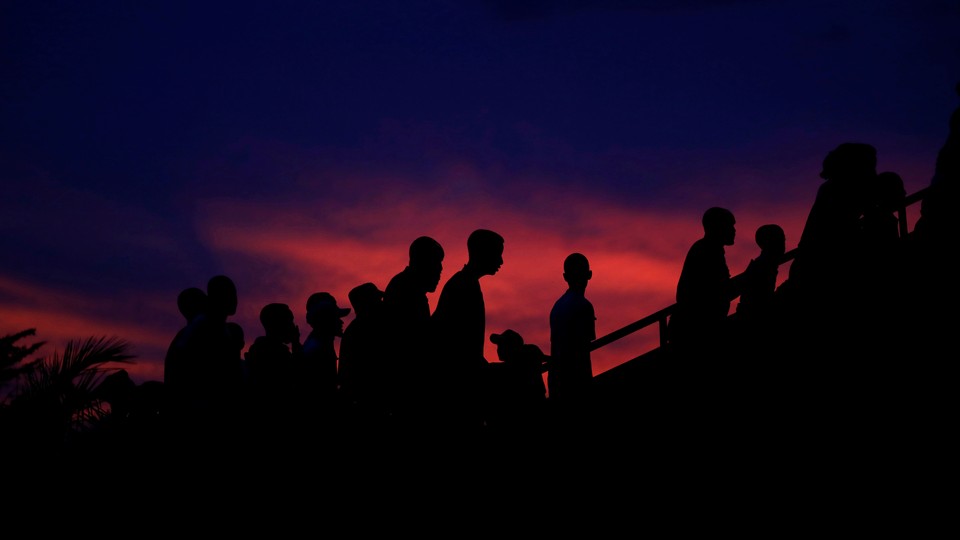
x: 275, y: 316
x: 770, y: 236
x: 191, y: 302
x: 425, y: 249
x: 484, y: 241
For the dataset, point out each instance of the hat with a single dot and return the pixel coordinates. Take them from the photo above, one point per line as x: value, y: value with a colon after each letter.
x: 507, y: 338
x: 321, y: 301
x: 364, y: 294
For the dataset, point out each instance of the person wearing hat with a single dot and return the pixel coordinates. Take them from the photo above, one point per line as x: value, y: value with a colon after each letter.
x: 360, y: 369
x: 319, y: 369
x: 518, y: 394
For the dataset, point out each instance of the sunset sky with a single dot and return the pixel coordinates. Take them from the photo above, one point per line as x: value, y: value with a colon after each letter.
x: 301, y: 146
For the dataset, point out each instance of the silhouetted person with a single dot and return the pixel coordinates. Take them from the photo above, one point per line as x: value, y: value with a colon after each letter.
x: 192, y: 304
x: 459, y: 333
x: 517, y: 395
x: 318, y: 374
x: 406, y: 316
x: 758, y: 319
x: 362, y: 355
x: 697, y: 328
x: 205, y: 401
x: 572, y: 329
x: 759, y: 282
x: 273, y: 374
x: 823, y: 280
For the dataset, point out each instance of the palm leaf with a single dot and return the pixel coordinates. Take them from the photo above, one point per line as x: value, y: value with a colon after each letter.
x: 69, y: 380
x: 12, y: 356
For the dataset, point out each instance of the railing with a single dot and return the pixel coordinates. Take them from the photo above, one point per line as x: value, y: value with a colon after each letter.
x: 662, y: 316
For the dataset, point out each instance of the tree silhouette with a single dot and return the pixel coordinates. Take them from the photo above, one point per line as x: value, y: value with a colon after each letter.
x: 55, y: 398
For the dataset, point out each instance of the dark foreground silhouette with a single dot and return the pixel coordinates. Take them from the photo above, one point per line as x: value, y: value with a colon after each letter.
x: 846, y: 364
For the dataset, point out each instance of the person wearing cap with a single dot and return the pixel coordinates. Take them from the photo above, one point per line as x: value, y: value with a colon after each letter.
x: 361, y: 355
x: 319, y: 368
x: 517, y: 395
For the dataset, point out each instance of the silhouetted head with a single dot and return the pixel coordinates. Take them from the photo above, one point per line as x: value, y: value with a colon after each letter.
x: 850, y: 162
x: 718, y: 224
x: 276, y: 318
x: 365, y: 298
x: 509, y: 344
x: 426, y: 259
x: 771, y: 238
x: 324, y: 315
x: 485, y: 251
x: 191, y: 302
x: 222, y: 296
x: 576, y: 270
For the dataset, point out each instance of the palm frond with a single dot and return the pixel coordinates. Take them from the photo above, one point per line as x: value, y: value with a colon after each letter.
x: 12, y: 358
x: 71, y: 378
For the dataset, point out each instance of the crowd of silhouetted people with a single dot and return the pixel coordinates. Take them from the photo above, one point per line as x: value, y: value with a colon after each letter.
x: 853, y: 340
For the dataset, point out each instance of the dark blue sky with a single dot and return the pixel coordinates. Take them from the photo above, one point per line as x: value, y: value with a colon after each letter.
x: 132, y: 133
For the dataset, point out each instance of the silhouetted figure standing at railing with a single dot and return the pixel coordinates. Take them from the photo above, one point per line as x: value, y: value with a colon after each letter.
x: 362, y: 355
x: 407, y: 370
x: 517, y: 398
x: 759, y: 282
x: 698, y: 327
x: 758, y: 365
x: 572, y: 328
x: 273, y: 376
x: 318, y: 374
x: 459, y: 334
x: 823, y: 287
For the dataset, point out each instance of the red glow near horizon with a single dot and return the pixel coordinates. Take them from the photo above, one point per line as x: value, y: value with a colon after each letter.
x: 286, y: 250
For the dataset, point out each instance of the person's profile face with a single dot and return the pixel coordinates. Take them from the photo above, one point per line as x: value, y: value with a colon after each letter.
x: 492, y: 260
x: 433, y: 273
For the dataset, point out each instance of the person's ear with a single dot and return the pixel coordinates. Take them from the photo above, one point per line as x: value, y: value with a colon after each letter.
x: 589, y: 274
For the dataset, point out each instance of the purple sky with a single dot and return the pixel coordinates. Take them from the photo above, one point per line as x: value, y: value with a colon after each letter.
x: 300, y: 146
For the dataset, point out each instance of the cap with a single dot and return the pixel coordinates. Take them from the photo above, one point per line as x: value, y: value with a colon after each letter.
x: 507, y: 338
x: 323, y: 300
x: 364, y: 294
